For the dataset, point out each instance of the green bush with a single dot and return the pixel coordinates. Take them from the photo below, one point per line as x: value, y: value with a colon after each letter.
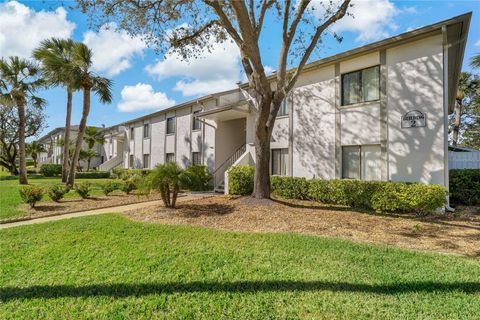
x: 131, y: 184
x: 197, y: 178
x: 93, y: 175
x: 289, y: 187
x: 31, y: 194
x: 51, y: 169
x: 57, y: 191
x: 124, y: 174
x: 240, y: 180
x: 83, y: 189
x: 465, y: 186
x: 111, y: 186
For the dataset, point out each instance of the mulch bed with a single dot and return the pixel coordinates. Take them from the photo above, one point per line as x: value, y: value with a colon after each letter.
x: 449, y: 233
x: 70, y: 205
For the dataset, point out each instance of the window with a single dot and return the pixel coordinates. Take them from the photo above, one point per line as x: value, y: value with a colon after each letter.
x: 283, y: 111
x: 170, y: 125
x: 146, y: 161
x: 146, y: 130
x: 279, y: 162
x: 197, y: 125
x: 170, y: 157
x: 361, y: 162
x: 196, y: 159
x: 361, y: 86
x: 132, y: 133
x: 131, y: 161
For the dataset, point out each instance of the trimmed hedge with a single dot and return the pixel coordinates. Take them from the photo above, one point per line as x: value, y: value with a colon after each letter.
x: 51, y: 169
x: 240, y: 180
x: 465, y: 186
x: 31, y: 194
x: 124, y: 174
x: 380, y: 196
x: 92, y: 175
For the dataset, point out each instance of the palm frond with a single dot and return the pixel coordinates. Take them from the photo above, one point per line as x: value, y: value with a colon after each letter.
x: 103, y: 89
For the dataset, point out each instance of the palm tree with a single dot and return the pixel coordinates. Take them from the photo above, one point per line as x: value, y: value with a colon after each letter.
x: 80, y: 70
x: 88, y: 155
x: 55, y: 56
x: 19, y: 80
x: 33, y: 149
x: 475, y: 61
x: 93, y: 136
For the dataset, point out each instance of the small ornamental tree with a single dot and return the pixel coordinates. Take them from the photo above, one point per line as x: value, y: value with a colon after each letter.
x: 190, y: 26
x: 167, y: 179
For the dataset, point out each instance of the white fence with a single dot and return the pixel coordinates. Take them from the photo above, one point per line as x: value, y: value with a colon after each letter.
x: 464, y: 160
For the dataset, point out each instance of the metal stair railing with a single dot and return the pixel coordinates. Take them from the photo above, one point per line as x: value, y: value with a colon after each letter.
x: 219, y: 172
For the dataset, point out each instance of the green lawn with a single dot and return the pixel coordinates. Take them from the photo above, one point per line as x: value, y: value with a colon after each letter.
x: 10, y: 197
x: 108, y: 267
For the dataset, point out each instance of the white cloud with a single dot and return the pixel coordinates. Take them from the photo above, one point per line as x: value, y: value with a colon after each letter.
x: 112, y: 49
x: 142, y: 97
x: 212, y: 71
x: 371, y: 20
x: 22, y: 28
x: 477, y: 43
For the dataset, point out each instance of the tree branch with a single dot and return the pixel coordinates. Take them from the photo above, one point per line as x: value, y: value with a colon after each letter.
x: 266, y: 4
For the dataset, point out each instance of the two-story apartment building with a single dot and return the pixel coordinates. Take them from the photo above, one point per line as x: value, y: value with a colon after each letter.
x: 377, y: 112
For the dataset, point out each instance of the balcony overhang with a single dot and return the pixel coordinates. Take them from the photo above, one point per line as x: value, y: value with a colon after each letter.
x: 229, y: 112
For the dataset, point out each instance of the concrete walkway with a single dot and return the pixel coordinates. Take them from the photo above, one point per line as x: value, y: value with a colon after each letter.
x: 93, y: 212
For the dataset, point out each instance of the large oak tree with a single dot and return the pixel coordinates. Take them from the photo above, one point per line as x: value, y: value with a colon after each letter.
x: 189, y: 26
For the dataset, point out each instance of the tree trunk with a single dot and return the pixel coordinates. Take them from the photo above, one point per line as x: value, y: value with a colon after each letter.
x: 22, y: 176
x: 88, y: 164
x: 34, y: 161
x: 261, y: 186
x: 81, y: 130
x: 66, y: 155
x: 457, y: 122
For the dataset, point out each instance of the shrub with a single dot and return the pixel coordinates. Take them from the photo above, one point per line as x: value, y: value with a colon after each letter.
x: 240, y: 180
x: 124, y: 174
x: 111, y: 186
x: 56, y: 192
x: 289, y: 187
x: 131, y: 184
x: 51, y: 169
x: 166, y: 178
x: 465, y: 186
x: 93, y: 175
x: 31, y: 195
x: 83, y: 189
x: 419, y: 198
x: 197, y: 178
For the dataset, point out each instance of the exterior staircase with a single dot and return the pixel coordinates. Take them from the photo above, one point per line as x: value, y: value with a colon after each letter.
x: 111, y: 164
x: 219, y: 173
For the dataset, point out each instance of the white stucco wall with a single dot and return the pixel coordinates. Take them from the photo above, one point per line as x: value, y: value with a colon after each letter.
x: 415, y: 82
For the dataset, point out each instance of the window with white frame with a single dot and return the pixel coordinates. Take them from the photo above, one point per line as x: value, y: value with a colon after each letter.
x: 146, y: 161
x: 361, y: 86
x: 197, y: 125
x: 169, y: 157
x: 171, y: 125
x: 146, y: 130
x: 361, y: 162
x: 279, y: 161
x: 196, y: 159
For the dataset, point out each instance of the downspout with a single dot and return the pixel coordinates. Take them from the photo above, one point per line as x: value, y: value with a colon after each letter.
x: 445, y: 116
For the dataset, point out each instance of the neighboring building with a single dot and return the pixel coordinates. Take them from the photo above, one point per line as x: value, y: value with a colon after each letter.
x: 463, y: 158
x: 51, y: 142
x: 378, y: 112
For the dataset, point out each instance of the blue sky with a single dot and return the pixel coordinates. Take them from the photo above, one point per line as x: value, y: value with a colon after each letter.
x: 145, y: 82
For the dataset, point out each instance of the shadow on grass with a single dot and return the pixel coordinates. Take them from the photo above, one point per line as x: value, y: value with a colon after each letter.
x: 127, y: 289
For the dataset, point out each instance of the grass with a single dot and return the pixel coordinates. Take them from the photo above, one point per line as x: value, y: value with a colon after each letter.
x: 10, y: 197
x: 108, y: 267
